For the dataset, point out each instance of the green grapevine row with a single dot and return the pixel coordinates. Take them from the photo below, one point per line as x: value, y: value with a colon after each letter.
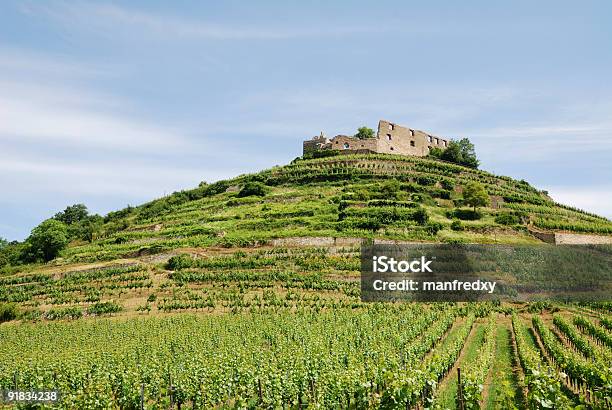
x: 599, y: 333
x: 475, y: 373
x: 543, y: 382
x: 579, y: 370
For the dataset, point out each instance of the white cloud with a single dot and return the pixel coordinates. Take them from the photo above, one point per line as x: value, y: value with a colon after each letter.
x: 38, y: 107
x: 29, y: 119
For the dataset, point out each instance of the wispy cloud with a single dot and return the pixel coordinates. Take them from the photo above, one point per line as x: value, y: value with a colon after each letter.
x: 42, y: 100
x: 118, y: 17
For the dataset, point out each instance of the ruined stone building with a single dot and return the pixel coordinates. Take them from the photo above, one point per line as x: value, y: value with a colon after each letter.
x: 390, y: 139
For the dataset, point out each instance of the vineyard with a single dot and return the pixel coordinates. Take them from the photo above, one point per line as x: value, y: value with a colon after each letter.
x: 376, y: 356
x: 227, y: 297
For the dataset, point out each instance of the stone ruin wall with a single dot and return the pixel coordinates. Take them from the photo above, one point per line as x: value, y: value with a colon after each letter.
x: 390, y: 139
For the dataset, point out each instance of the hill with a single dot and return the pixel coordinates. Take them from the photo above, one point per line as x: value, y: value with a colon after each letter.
x: 265, y: 268
x: 298, y: 226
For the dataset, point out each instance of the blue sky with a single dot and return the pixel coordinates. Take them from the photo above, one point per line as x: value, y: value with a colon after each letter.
x: 112, y: 103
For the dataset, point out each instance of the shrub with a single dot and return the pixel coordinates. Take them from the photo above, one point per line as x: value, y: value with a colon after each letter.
x: 420, y: 216
x: 112, y: 216
x: 507, y: 218
x: 425, y: 180
x: 216, y: 188
x: 448, y: 185
x: 152, y: 298
x: 8, y: 312
x: 464, y: 214
x: 456, y: 225
x: 153, y: 209
x: 104, y: 308
x: 253, y: 189
x: 390, y: 189
x: 179, y: 262
x: 434, y: 227
x: 454, y: 241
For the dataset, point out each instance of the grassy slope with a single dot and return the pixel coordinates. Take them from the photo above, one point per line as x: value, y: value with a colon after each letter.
x: 330, y: 197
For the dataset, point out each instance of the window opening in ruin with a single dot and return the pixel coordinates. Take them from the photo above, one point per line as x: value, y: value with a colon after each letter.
x: 389, y: 137
x: 346, y: 145
x: 412, y: 143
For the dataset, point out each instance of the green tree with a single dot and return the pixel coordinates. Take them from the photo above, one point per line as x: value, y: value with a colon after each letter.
x: 468, y: 153
x: 458, y: 152
x: 452, y: 153
x: 72, y: 214
x: 435, y: 152
x: 47, y: 240
x: 475, y: 195
x: 364, y: 133
x: 3, y: 242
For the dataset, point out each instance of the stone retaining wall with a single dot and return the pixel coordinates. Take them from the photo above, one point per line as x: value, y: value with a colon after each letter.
x: 565, y: 238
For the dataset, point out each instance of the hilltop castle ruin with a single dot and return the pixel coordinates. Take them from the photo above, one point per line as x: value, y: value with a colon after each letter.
x: 390, y: 139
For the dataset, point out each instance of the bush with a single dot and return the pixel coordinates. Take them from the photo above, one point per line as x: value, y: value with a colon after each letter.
x: 115, y: 215
x: 434, y: 227
x: 217, y: 188
x: 456, y: 225
x: 507, y: 218
x: 253, y: 189
x: 425, y: 180
x: 153, y: 209
x: 11, y: 254
x: 179, y: 262
x: 420, y: 216
x: 104, y: 308
x: 8, y: 312
x: 448, y: 185
x: 464, y: 214
x: 390, y: 189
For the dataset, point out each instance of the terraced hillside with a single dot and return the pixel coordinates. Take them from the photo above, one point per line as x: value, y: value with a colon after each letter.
x: 245, y: 294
